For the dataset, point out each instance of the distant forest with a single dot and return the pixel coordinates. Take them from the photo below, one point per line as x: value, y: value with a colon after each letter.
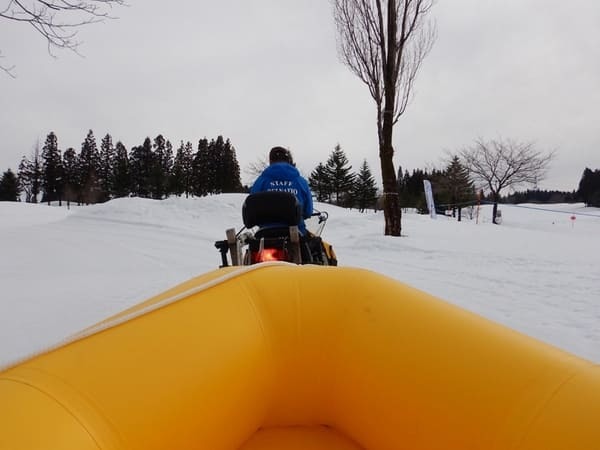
x: 155, y: 169
x: 453, y: 189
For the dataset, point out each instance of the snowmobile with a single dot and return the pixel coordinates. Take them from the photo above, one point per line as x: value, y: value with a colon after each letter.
x: 270, y: 233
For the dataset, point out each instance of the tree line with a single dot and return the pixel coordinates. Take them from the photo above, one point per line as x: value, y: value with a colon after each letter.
x: 150, y: 170
x: 450, y: 191
x: 542, y: 196
x: 495, y: 165
x: 154, y: 170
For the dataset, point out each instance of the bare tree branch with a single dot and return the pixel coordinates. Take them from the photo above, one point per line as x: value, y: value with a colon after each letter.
x: 7, y: 69
x: 254, y: 169
x: 57, y: 21
x: 413, y: 50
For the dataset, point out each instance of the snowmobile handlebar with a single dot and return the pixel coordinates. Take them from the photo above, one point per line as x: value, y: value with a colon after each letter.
x: 322, y: 215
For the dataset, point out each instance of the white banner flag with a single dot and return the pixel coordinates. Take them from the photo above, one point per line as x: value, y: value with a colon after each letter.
x: 429, y: 198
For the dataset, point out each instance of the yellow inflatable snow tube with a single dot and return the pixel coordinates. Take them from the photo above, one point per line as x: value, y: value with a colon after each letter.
x: 286, y: 357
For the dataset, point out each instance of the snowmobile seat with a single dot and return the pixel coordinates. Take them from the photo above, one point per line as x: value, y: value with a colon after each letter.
x: 274, y: 212
x: 271, y: 209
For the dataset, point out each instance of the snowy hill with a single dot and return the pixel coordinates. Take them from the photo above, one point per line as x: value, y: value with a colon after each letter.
x: 62, y: 270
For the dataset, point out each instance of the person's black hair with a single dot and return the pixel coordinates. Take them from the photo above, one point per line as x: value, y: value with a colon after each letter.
x: 280, y: 154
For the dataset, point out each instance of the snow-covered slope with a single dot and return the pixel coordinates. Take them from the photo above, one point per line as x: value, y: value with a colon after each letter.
x: 62, y: 270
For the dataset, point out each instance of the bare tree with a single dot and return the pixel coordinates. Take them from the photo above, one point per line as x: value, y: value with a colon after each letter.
x: 503, y: 163
x: 254, y: 169
x: 57, y: 20
x: 384, y: 42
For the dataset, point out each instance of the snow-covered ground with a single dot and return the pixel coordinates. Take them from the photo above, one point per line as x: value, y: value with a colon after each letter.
x: 62, y: 270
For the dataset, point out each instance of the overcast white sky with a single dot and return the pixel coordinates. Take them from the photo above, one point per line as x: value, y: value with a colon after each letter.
x: 266, y: 72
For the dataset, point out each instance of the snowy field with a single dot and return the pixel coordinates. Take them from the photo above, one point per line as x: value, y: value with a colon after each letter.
x: 62, y: 270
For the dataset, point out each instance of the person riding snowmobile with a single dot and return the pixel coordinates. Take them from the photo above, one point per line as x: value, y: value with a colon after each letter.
x: 283, y: 176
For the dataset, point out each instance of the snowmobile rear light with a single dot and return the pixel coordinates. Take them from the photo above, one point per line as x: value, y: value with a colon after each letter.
x: 269, y: 254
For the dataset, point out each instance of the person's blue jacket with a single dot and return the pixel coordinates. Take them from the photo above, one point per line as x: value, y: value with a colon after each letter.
x: 284, y: 177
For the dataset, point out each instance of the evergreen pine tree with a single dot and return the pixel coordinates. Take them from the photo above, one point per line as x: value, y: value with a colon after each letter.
x: 89, y: 169
x: 134, y: 170
x: 412, y: 190
x: 121, y: 177
x: 202, y: 177
x: 339, y: 172
x: 216, y: 168
x: 178, y: 175
x: 52, y: 170
x: 231, y: 181
x: 182, y: 175
x: 589, y: 187
x: 400, y: 180
x: 404, y: 182
x: 167, y: 165
x: 9, y: 187
x: 365, y: 188
x: 106, y: 168
x: 71, y: 176
x: 30, y: 176
x: 161, y: 167
x: 320, y: 184
x: 141, y: 163
x: 457, y: 184
x: 188, y: 168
